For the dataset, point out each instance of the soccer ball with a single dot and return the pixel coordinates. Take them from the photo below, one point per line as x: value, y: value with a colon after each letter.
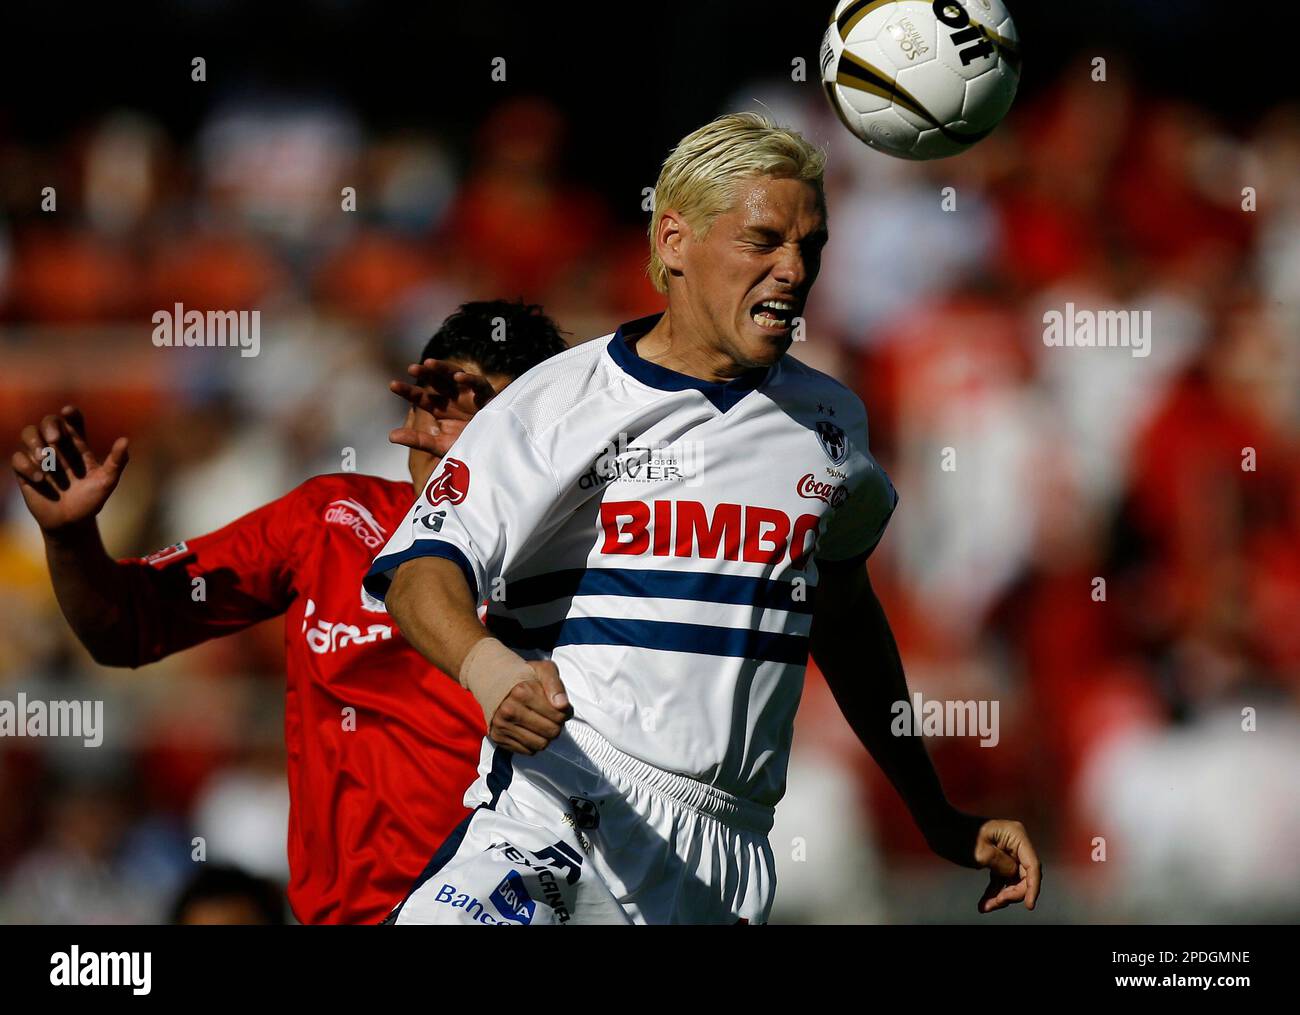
x: 921, y: 80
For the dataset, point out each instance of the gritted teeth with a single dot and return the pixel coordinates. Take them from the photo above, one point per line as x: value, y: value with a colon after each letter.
x: 773, y: 313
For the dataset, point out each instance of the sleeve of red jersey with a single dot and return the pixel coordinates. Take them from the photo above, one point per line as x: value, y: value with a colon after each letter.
x: 856, y: 527
x: 493, y: 493
x: 219, y: 583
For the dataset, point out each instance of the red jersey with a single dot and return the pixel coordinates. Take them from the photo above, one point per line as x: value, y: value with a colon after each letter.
x: 372, y: 792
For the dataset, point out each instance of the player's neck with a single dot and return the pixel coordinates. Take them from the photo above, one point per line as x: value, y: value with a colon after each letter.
x: 678, y: 348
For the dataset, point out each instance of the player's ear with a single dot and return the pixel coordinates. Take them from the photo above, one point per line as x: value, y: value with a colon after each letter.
x: 672, y: 237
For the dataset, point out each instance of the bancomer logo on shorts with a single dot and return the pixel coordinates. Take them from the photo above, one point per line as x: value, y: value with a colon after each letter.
x: 757, y: 535
x: 510, y: 899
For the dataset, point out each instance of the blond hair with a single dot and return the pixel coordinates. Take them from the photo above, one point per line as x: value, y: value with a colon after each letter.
x: 702, y: 174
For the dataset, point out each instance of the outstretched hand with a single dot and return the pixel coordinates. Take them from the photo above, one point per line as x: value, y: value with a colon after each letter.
x: 443, y: 399
x: 444, y: 390
x: 62, y: 481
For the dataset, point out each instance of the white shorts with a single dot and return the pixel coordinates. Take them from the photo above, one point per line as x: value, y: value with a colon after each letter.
x: 583, y: 833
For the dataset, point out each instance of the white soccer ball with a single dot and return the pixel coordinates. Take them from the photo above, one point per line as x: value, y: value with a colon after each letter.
x: 921, y: 80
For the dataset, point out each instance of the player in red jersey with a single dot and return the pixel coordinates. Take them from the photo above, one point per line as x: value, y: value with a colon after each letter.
x: 373, y: 791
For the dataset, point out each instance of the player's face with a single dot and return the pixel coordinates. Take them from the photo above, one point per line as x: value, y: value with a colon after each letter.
x: 766, y: 248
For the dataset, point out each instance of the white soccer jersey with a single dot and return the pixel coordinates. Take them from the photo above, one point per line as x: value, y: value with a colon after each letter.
x: 658, y: 537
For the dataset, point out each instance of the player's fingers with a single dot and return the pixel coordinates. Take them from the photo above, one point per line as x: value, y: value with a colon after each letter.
x: 118, y: 456
x: 1000, y: 863
x: 530, y: 694
x: 508, y: 742
x: 418, y: 440
x: 1033, y: 872
x: 30, y: 475
x: 535, y: 723
x: 31, y: 441
x: 420, y: 398
x: 1002, y: 893
x: 79, y: 459
x: 46, y: 452
x: 474, y: 392
x: 526, y: 706
x: 74, y: 419
x: 1010, y: 895
x: 528, y: 741
x: 989, y: 900
x: 553, y: 687
x: 23, y: 465
x: 58, y: 434
x: 450, y: 427
x: 76, y: 424
x: 36, y: 454
x: 448, y: 431
x: 479, y: 384
x: 435, y: 374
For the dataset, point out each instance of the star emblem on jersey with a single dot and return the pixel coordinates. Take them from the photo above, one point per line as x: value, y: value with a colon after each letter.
x: 825, y: 410
x: 451, y: 484
x: 833, y: 441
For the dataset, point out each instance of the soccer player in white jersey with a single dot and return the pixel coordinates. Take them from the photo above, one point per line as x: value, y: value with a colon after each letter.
x: 663, y: 523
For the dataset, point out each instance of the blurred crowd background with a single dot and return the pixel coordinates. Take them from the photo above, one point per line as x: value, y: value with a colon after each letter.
x: 1120, y: 720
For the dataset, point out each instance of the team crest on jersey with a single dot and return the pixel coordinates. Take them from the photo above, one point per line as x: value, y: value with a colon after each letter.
x: 834, y: 442
x: 451, y: 484
x: 585, y: 813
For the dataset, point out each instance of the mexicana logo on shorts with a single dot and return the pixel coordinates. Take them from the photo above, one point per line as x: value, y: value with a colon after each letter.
x: 512, y: 899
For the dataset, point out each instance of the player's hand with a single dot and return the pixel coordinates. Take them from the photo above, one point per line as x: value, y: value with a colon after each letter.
x: 1015, y: 875
x: 78, y: 484
x: 442, y: 400
x: 426, y: 435
x: 443, y: 390
x: 533, y: 713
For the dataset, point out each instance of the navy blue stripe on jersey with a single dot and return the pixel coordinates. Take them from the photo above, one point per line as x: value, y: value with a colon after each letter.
x: 724, y: 396
x: 665, y: 636
x: 731, y: 589
x: 498, y: 780
x: 376, y: 581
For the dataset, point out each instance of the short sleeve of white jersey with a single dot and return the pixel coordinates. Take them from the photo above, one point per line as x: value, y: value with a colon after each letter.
x: 857, y: 527
x: 493, y: 486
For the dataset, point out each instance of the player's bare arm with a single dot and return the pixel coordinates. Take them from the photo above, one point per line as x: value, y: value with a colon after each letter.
x: 65, y: 485
x: 866, y: 678
x: 524, y: 704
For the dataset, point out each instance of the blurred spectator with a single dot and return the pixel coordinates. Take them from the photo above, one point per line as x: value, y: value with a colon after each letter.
x: 228, y: 895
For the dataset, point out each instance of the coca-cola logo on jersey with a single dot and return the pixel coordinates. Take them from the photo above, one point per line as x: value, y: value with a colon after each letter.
x: 812, y: 488
x: 451, y: 484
